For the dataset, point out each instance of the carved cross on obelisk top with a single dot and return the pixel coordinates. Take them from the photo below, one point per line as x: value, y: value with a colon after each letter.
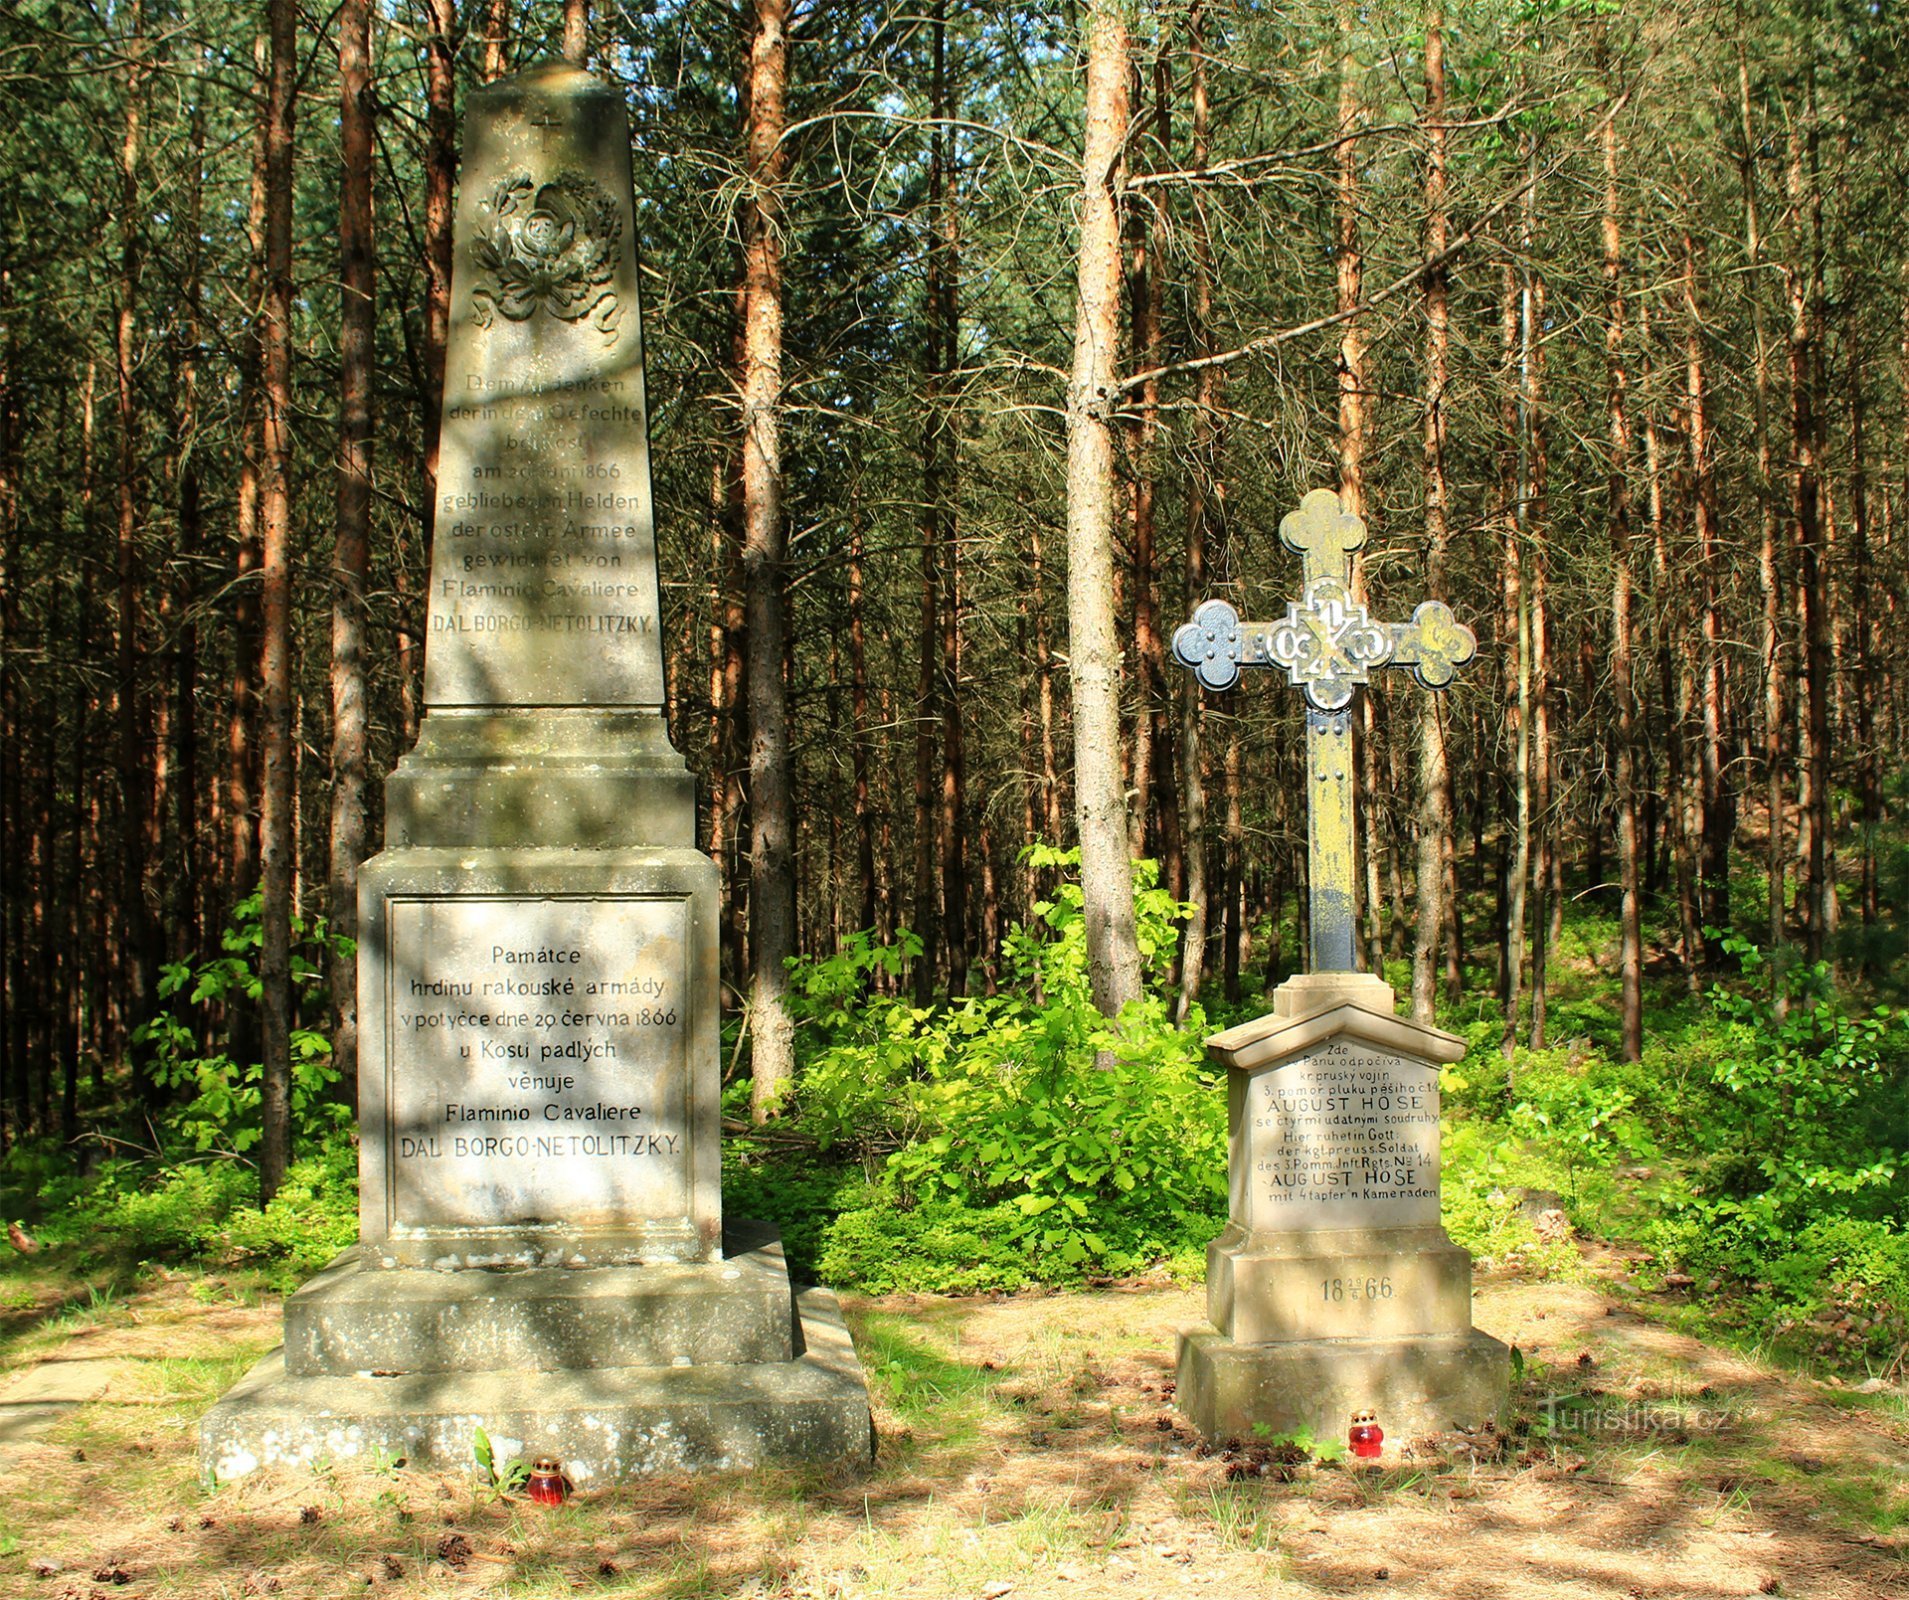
x: 1329, y: 645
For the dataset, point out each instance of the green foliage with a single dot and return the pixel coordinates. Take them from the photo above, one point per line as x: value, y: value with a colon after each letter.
x: 502, y: 1478
x: 1484, y: 1171
x: 1009, y: 1138
x: 1789, y: 1139
x: 939, y: 1247
x: 220, y: 1108
x: 801, y: 1198
x: 313, y: 1216
x: 196, y: 1194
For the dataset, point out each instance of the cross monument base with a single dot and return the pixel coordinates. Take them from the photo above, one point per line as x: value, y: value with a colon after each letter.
x: 1334, y: 1290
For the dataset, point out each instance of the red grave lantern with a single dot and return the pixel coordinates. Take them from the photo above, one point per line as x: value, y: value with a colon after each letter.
x: 1366, y: 1436
x: 547, y: 1485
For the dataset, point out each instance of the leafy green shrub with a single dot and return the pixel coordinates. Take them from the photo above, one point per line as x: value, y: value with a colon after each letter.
x: 939, y: 1248
x: 1788, y: 1140
x: 1838, y: 1289
x: 1090, y: 1146
x: 197, y: 1194
x: 129, y: 1208
x: 313, y: 1216
x: 220, y: 1106
x: 801, y: 1198
x: 1484, y: 1170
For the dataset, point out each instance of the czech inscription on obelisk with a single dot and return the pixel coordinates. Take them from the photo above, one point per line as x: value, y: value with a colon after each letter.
x: 543, y: 1263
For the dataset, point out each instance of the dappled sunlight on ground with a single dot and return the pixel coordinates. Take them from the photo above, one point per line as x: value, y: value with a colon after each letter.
x: 1029, y: 1447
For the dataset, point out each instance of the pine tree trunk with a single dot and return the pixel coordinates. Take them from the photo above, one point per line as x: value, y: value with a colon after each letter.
x: 1435, y: 820
x: 1354, y: 433
x: 944, y: 444
x: 1802, y: 275
x: 1863, y: 670
x: 440, y: 172
x: 138, y: 970
x: 496, y: 62
x: 1517, y: 336
x: 1053, y: 810
x: 1146, y: 307
x: 351, y: 553
x: 1203, y: 496
x: 1113, y: 954
x: 858, y: 712
x: 1769, y: 554
x: 1717, y: 811
x: 1618, y: 503
x: 576, y: 32
x: 277, y: 825
x: 1232, y: 874
x: 765, y: 578
x: 190, y: 893
x: 927, y: 917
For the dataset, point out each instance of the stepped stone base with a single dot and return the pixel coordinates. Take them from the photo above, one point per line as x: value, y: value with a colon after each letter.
x: 616, y: 1372
x: 1415, y: 1386
x: 357, y: 1320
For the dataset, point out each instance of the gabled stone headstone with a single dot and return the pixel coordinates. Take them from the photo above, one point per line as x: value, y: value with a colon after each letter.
x: 543, y: 1252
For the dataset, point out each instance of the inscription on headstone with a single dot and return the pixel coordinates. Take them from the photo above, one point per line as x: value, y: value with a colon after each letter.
x: 1345, y: 1137
x: 545, y: 1061
x: 543, y: 572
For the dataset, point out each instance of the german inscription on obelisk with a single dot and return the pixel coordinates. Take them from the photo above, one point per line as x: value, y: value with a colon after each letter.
x: 543, y: 569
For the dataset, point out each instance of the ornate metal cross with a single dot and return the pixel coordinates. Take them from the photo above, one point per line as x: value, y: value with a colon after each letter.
x: 1328, y: 645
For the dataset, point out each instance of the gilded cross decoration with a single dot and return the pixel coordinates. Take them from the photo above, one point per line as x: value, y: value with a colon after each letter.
x: 1328, y: 645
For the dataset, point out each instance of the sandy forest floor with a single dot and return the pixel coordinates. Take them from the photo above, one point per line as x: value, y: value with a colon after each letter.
x: 1028, y: 1448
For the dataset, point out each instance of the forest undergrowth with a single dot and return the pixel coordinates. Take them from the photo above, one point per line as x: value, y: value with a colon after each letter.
x: 1749, y: 1165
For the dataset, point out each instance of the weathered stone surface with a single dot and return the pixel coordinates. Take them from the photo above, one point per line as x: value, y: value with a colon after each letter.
x: 573, y: 1128
x: 559, y: 779
x: 1375, y: 1283
x: 602, y: 1423
x: 1415, y: 1386
x: 543, y: 565
x: 351, y: 1319
x: 539, y: 1052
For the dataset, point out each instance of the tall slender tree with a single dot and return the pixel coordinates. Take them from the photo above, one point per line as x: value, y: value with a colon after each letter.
x: 1100, y: 814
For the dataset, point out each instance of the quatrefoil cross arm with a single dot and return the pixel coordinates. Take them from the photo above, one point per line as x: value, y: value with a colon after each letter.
x: 1434, y: 644
x: 1324, y: 533
x: 1216, y: 643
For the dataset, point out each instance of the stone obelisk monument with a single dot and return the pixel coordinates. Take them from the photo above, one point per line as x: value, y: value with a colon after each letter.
x: 543, y: 1252
x: 1333, y: 1290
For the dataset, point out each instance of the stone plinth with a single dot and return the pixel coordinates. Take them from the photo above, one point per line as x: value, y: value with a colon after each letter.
x: 1334, y: 1288
x: 354, y: 1320
x: 1414, y: 1386
x: 540, y: 1084
x: 604, y: 1423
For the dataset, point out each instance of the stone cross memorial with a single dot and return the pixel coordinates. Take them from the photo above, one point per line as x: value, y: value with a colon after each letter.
x: 1334, y: 1289
x: 542, y: 1248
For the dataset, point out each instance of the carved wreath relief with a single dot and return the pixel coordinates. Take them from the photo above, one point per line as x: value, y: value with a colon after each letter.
x: 551, y: 247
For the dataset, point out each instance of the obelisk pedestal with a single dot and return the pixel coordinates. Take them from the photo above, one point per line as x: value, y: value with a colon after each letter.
x: 543, y: 1253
